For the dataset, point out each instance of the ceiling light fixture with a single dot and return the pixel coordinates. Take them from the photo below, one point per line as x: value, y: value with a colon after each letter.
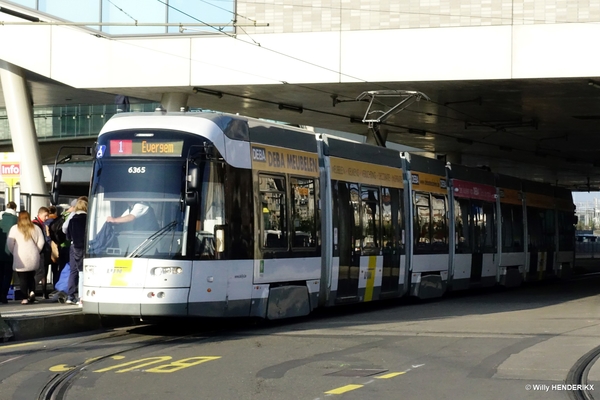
x: 288, y: 107
x: 465, y: 141
x: 594, y: 84
x: 208, y: 91
x: 417, y: 131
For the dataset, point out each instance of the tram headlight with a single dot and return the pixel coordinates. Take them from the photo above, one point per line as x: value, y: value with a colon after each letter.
x: 89, y: 269
x: 159, y: 271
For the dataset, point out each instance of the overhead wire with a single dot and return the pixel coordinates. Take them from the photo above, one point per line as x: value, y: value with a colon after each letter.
x: 123, y: 11
x: 257, y: 44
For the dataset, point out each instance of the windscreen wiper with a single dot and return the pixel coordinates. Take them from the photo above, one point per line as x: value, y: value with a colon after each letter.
x: 145, y: 245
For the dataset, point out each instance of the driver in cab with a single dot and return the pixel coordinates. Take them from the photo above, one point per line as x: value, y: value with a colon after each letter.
x: 139, y: 214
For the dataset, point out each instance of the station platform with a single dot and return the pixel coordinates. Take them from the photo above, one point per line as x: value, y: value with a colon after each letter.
x: 44, y: 318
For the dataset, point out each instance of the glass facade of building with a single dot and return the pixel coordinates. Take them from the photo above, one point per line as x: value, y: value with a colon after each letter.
x: 69, y: 121
x: 218, y: 15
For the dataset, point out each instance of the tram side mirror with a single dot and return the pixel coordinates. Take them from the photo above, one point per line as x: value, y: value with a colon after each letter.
x: 193, y: 178
x: 219, y: 240
x: 192, y: 184
x: 56, y: 186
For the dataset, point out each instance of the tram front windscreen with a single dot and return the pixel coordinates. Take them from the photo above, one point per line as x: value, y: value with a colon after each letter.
x: 150, y: 191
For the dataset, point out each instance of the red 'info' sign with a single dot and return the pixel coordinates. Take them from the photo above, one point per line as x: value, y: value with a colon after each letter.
x: 10, y: 170
x: 121, y: 147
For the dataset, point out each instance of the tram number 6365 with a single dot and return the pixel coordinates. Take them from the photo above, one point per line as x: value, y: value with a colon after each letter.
x: 159, y: 369
x: 136, y: 170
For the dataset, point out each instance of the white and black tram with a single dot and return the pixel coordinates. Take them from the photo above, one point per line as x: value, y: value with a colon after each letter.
x: 260, y: 219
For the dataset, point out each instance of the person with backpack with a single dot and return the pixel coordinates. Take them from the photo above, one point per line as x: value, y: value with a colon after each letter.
x: 54, y: 253
x: 42, y: 272
x: 9, y: 218
x: 58, y: 235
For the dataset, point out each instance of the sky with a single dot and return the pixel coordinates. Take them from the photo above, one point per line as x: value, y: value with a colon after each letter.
x: 585, y: 196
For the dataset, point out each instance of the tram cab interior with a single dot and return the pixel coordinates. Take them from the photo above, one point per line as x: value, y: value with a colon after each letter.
x: 160, y: 238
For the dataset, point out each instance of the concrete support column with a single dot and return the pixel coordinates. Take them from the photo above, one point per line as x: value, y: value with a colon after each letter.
x: 174, y: 101
x: 19, y: 109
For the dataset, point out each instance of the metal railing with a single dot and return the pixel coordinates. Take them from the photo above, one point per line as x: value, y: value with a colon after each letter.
x: 587, y: 249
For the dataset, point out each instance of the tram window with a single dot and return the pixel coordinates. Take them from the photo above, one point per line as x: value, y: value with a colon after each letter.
x: 461, y: 223
x: 401, y: 226
x: 370, y: 220
x: 356, y: 229
x: 211, y: 212
x: 512, y: 227
x: 303, y: 212
x: 478, y: 224
x: 566, y: 231
x: 534, y: 228
x: 423, y: 219
x: 440, y: 228
x: 549, y: 227
x: 489, y: 214
x: 517, y: 236
x: 479, y: 231
x: 273, y: 204
x: 388, y: 237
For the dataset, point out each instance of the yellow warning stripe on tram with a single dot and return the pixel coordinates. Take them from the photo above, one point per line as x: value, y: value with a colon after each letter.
x: 370, y: 278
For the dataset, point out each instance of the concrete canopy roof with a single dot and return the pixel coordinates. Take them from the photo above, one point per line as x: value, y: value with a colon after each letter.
x: 539, y: 129
x: 523, y: 100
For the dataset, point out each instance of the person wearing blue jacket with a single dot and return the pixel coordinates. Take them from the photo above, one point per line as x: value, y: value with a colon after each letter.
x: 76, y: 234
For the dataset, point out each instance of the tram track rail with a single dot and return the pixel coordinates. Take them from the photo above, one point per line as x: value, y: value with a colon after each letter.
x: 578, y: 375
x: 58, y: 386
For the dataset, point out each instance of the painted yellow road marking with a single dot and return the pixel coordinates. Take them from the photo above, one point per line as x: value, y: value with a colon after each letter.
x: 136, y: 364
x: 165, y: 368
x: 181, y: 364
x: 65, y: 367
x: 344, y: 389
x: 12, y: 346
x: 61, y: 368
x: 391, y: 375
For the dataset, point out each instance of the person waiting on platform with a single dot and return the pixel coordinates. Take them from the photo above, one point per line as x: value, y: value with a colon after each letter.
x: 24, y: 242
x: 9, y: 218
x: 139, y: 214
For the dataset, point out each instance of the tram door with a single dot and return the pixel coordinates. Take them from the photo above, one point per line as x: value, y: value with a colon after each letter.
x: 346, y: 199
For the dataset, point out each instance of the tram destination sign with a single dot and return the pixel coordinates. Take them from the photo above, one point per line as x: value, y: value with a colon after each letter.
x: 146, y: 148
